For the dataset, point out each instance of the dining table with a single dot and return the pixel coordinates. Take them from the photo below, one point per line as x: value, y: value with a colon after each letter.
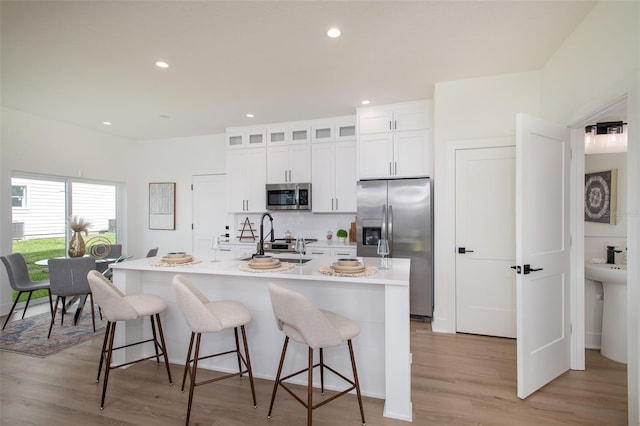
x: 80, y: 299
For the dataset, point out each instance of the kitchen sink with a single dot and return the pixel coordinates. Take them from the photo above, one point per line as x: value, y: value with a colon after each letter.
x: 293, y: 260
x: 282, y: 259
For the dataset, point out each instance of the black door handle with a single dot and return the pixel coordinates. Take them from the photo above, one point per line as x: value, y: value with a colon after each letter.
x: 528, y: 268
x: 463, y: 250
x: 517, y: 268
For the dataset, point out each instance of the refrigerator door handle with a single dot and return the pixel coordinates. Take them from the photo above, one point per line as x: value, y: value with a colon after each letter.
x: 383, y: 233
x: 390, y: 226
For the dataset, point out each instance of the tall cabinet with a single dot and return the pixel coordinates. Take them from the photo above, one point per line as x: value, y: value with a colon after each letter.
x: 333, y: 171
x: 394, y: 140
x: 246, y: 179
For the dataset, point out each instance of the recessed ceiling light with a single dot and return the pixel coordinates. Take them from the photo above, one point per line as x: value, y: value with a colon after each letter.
x: 106, y: 123
x: 365, y: 102
x: 333, y: 32
x: 162, y: 64
x: 250, y: 116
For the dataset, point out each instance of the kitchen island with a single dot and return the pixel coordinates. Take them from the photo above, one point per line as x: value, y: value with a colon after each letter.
x: 379, y: 303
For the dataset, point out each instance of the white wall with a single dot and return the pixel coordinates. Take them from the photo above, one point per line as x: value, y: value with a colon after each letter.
x: 482, y: 110
x: 575, y: 84
x: 168, y: 160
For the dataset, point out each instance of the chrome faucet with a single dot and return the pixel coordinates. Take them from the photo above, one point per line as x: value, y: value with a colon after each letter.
x: 272, y: 239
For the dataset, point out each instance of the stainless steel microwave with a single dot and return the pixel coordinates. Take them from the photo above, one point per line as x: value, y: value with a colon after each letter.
x: 289, y: 196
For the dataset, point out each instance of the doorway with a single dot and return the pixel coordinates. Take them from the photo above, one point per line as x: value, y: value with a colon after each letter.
x: 593, y: 237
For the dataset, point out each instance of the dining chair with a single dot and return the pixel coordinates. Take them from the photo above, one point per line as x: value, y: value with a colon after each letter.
x: 68, y: 277
x: 115, y: 252
x: 116, y: 306
x: 204, y: 316
x: 20, y: 281
x: 302, y: 322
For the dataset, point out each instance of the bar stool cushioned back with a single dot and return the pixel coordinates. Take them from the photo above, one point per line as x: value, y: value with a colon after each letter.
x: 301, y: 321
x: 205, y: 316
x: 116, y: 306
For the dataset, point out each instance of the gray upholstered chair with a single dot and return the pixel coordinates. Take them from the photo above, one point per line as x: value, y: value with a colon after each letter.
x: 153, y: 252
x: 204, y: 316
x: 117, y: 306
x: 21, y: 282
x: 68, y: 277
x: 114, y: 252
x: 302, y: 322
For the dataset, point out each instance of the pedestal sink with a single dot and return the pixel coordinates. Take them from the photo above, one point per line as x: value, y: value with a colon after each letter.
x: 614, y: 310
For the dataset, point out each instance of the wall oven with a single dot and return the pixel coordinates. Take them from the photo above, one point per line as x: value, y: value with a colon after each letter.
x: 289, y: 196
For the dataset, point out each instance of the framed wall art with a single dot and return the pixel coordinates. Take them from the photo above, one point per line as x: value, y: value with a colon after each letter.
x: 162, y: 205
x: 600, y: 196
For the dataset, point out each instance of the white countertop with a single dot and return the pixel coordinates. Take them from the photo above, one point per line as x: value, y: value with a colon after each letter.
x: 397, y: 274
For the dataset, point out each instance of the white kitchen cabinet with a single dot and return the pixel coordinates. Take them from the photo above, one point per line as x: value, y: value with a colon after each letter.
x: 246, y: 179
x: 298, y: 132
x: 337, y: 252
x: 318, y: 251
x: 323, y: 130
x: 393, y: 154
x: 393, y: 141
x: 246, y: 137
x: 342, y: 252
x: 289, y: 163
x: 394, y: 117
x: 333, y: 129
x: 334, y: 177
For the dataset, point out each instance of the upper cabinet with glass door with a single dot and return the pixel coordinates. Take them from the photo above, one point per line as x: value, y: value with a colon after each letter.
x: 246, y: 137
x: 334, y: 129
x: 293, y: 133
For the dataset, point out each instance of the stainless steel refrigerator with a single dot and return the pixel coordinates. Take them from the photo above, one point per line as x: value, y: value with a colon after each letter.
x: 399, y: 210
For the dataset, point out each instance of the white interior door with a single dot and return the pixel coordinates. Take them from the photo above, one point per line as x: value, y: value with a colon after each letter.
x: 209, y: 210
x: 485, y: 241
x: 542, y: 252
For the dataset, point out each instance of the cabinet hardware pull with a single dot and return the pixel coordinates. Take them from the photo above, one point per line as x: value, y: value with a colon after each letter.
x: 395, y: 124
x: 463, y: 250
x: 390, y: 169
x: 336, y: 204
x: 332, y: 204
x: 390, y: 128
x: 395, y: 172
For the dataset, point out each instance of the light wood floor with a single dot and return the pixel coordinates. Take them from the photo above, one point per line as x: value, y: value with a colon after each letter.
x: 456, y: 379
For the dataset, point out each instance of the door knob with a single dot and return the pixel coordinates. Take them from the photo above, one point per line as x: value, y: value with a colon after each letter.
x: 463, y: 250
x: 528, y: 269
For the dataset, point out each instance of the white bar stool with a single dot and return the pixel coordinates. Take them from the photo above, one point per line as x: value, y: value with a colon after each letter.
x: 116, y: 307
x: 302, y: 322
x: 205, y: 316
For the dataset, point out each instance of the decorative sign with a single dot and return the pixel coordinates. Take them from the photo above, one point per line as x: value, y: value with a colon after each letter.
x: 600, y: 196
x: 162, y: 205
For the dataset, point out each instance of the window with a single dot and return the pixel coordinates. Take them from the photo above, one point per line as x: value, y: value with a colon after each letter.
x: 41, y: 231
x: 18, y: 196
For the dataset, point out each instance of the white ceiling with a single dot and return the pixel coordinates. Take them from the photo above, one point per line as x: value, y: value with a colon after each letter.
x: 84, y: 62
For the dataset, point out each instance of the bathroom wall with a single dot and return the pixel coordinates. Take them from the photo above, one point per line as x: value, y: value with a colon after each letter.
x: 600, y: 235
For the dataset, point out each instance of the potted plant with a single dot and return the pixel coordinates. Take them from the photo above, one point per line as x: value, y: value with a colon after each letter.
x: 76, y: 245
x: 342, y: 234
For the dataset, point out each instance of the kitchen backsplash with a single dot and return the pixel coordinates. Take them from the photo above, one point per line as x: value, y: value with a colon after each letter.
x: 300, y: 224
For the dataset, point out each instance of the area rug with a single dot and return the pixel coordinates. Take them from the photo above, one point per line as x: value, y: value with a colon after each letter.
x: 29, y: 336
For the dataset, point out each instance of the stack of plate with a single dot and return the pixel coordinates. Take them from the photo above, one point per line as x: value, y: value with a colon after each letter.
x: 348, y: 266
x: 177, y: 258
x: 264, y: 262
